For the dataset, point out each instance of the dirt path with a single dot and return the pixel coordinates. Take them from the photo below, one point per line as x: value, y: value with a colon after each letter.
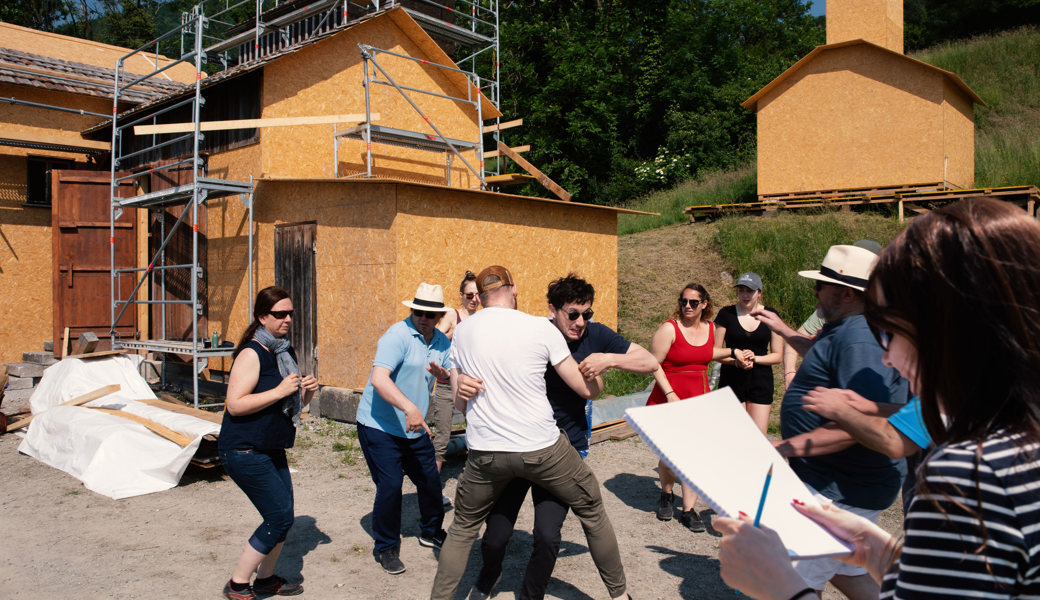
x: 62, y: 540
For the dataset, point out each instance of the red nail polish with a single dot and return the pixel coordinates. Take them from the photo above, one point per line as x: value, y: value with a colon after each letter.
x: 742, y: 513
x: 798, y: 502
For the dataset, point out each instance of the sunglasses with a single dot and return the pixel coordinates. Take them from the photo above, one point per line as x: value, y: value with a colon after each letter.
x: 693, y: 302
x: 422, y: 314
x: 573, y: 315
x: 469, y: 295
x: 281, y: 314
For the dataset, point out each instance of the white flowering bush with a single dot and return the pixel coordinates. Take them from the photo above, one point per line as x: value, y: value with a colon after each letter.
x: 665, y: 169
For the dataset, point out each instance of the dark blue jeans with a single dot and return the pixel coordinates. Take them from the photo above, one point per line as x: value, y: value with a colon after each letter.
x: 264, y: 476
x: 389, y: 459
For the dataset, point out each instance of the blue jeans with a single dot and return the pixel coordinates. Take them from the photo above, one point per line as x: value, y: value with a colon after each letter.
x: 264, y: 476
x: 389, y: 459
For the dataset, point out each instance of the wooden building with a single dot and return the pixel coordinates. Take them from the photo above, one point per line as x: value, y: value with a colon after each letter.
x: 356, y: 243
x: 858, y: 113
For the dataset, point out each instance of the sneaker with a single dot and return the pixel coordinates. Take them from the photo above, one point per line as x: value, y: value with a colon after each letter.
x: 691, y: 520
x: 276, y: 586
x: 433, y: 541
x: 664, y: 507
x: 446, y: 501
x: 478, y: 594
x: 391, y: 562
x: 231, y: 594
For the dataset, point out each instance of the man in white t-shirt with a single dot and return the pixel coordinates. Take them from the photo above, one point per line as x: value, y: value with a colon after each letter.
x: 511, y: 431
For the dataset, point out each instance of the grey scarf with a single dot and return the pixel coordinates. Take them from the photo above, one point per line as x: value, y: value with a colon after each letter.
x: 292, y: 405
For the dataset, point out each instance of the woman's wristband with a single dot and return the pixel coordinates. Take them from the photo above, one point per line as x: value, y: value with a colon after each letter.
x: 670, y: 392
x: 802, y: 593
x: 733, y: 353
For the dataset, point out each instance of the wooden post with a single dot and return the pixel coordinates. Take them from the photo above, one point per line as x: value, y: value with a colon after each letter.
x: 542, y: 178
x: 900, y: 203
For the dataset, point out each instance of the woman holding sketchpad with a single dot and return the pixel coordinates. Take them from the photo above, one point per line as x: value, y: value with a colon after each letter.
x: 970, y: 530
x: 265, y: 396
x: 683, y: 345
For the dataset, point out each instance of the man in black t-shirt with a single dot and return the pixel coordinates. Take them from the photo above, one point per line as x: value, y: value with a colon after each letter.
x: 597, y: 348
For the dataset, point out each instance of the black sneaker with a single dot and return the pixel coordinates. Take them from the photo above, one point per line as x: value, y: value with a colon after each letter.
x: 433, y: 541
x: 231, y: 594
x: 691, y: 520
x: 391, y: 562
x: 276, y: 586
x: 664, y: 507
x: 446, y: 502
x: 477, y: 593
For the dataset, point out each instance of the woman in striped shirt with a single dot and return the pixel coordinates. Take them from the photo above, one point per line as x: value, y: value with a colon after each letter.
x: 955, y: 302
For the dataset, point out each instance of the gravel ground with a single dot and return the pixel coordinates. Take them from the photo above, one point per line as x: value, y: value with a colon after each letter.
x: 61, y: 539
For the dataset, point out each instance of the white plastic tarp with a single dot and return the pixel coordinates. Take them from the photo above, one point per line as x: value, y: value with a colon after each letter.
x: 109, y: 454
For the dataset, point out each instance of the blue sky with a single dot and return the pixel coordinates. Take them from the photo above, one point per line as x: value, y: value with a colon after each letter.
x: 818, y: 8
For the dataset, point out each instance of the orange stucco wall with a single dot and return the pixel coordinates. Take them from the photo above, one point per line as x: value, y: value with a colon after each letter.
x: 377, y: 240
x: 858, y: 116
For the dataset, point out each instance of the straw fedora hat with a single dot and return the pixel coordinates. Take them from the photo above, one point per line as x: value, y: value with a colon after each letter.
x: 427, y: 297
x: 845, y: 265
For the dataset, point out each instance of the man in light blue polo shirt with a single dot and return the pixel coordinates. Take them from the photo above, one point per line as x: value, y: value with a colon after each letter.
x: 391, y: 423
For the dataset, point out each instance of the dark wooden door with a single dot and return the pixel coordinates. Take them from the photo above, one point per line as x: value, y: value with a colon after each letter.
x: 81, y: 262
x: 294, y: 270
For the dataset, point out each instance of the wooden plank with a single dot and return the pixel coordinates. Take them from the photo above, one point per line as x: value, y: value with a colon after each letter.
x: 604, y: 431
x: 89, y: 396
x: 501, y: 126
x: 184, y: 410
x: 542, y: 178
x: 176, y: 437
x: 250, y: 123
x: 65, y: 344
x: 622, y: 432
x: 96, y: 354
x: 496, y: 153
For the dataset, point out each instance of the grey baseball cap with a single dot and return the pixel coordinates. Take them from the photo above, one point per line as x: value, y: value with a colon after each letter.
x: 751, y: 280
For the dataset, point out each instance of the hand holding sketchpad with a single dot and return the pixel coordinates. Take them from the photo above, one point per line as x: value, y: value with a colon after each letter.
x: 718, y: 451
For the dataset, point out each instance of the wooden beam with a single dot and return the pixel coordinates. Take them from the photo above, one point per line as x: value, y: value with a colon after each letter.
x: 542, y: 178
x: 501, y: 126
x: 72, y: 141
x: 89, y: 396
x: 65, y: 344
x: 101, y: 354
x: 251, y: 123
x: 184, y: 410
x: 496, y: 153
x: 176, y: 437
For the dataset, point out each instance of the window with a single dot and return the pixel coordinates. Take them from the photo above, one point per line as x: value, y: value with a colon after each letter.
x: 38, y: 190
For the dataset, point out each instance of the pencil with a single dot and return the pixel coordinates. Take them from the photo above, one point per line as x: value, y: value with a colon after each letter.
x: 762, y: 501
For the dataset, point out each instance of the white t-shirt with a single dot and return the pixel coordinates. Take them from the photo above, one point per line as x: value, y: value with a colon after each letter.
x: 509, y: 350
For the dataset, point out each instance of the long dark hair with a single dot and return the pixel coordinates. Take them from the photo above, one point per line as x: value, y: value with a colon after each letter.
x: 265, y: 300
x: 963, y: 284
x: 706, y: 312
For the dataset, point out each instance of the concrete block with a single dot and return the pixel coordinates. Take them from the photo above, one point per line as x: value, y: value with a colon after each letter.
x: 24, y: 369
x: 14, y: 398
x: 48, y: 346
x: 150, y: 370
x: 41, y: 358
x: 19, y: 383
x: 340, y: 404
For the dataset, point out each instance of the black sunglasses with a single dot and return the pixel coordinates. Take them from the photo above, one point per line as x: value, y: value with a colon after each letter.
x: 281, y: 314
x: 693, y: 302
x: 422, y: 314
x: 469, y: 295
x: 573, y: 315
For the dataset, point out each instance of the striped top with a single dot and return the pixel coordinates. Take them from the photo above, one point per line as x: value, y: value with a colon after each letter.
x: 942, y: 557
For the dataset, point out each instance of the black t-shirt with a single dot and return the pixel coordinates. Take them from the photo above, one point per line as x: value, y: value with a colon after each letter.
x: 756, y: 384
x: 568, y: 406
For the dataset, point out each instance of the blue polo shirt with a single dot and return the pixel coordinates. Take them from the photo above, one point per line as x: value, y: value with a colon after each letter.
x: 406, y: 354
x: 909, y: 422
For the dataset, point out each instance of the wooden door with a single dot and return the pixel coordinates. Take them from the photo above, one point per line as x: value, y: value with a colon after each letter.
x: 294, y: 269
x: 81, y: 272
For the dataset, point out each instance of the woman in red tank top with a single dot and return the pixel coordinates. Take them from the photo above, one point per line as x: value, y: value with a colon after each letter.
x: 684, y: 345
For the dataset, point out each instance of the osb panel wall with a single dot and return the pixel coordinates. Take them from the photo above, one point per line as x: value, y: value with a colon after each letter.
x: 959, y: 128
x: 30, y: 120
x: 876, y: 21
x: 442, y: 233
x: 854, y: 117
x: 325, y: 78
x: 377, y: 241
x: 25, y: 267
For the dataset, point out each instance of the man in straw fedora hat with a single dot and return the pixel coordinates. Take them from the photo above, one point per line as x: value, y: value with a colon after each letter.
x: 391, y: 423
x: 511, y: 431
x: 844, y: 355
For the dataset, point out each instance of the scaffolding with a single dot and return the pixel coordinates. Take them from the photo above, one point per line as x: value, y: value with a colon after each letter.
x: 217, y: 35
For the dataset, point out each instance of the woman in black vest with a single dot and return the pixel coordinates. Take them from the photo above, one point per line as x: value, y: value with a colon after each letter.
x: 265, y: 396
